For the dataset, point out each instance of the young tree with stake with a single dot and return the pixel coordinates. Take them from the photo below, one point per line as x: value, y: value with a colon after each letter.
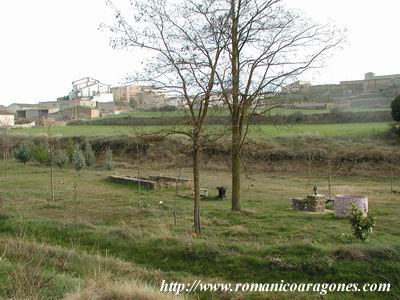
x: 23, y: 154
x: 78, y: 161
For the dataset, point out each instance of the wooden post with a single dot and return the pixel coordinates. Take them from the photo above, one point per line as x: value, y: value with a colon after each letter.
x: 391, y: 179
x: 5, y: 150
x: 176, y: 194
x: 329, y: 178
x: 75, y: 201
x: 51, y: 165
x: 138, y: 174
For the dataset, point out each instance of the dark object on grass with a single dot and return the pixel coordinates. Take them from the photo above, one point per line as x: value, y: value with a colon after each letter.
x: 221, y: 192
x: 315, y: 190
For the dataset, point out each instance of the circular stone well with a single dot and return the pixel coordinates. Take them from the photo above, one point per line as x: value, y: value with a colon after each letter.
x: 343, y: 204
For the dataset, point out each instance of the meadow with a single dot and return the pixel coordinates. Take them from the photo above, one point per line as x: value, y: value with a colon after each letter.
x: 105, y: 240
x: 223, y: 112
x: 256, y: 131
x: 113, y: 242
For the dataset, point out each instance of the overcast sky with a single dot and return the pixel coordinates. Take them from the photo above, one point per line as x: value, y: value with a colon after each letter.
x: 47, y: 44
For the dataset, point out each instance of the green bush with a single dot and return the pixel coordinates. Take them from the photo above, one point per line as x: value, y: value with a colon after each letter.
x: 78, y: 158
x: 90, y: 158
x: 396, y: 109
x: 362, y: 225
x: 60, y: 158
x: 70, y: 148
x: 23, y: 154
x: 109, y: 159
x: 40, y: 154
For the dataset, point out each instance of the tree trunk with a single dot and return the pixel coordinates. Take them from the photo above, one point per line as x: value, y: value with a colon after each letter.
x: 196, y: 186
x: 235, y: 169
x: 236, y: 130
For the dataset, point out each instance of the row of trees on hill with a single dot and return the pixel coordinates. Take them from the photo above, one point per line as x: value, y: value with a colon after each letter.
x: 240, y: 51
x: 49, y: 155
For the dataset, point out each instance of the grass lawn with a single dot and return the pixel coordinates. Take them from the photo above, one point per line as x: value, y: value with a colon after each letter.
x: 112, y: 235
x: 259, y: 132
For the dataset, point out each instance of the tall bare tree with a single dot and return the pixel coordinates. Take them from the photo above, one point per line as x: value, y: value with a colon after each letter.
x: 186, y: 39
x: 268, y: 45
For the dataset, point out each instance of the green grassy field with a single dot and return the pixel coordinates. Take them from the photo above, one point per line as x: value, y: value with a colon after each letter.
x: 259, y: 132
x: 278, y: 110
x: 112, y: 235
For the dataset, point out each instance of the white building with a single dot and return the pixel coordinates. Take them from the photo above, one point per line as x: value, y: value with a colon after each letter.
x: 6, y: 119
x: 89, y: 88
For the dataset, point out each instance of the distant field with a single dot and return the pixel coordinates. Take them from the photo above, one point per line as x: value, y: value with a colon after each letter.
x: 259, y: 132
x: 283, y: 111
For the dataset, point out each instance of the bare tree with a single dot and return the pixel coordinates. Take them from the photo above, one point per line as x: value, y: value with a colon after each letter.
x: 186, y: 39
x: 268, y: 45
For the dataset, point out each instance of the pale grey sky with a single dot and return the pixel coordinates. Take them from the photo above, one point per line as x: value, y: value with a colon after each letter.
x: 46, y: 44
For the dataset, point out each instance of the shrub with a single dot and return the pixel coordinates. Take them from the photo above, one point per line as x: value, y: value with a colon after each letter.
x: 90, y: 158
x: 78, y: 159
x: 70, y: 148
x: 60, y: 158
x: 23, y: 154
x: 109, y: 159
x: 40, y: 154
x: 362, y: 225
x: 396, y: 109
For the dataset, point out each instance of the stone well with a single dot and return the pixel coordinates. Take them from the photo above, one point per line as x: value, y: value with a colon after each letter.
x: 315, y: 203
x: 343, y: 204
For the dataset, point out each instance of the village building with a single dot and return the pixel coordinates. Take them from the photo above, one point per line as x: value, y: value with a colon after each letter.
x: 106, y: 108
x: 142, y: 97
x: 6, y: 118
x: 75, y: 112
x: 373, y: 89
x: 35, y: 112
x: 89, y: 88
x: 13, y: 107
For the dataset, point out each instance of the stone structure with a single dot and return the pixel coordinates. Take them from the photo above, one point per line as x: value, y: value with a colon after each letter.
x: 6, y: 118
x: 170, y: 181
x: 312, y: 203
x: 155, y: 181
x: 139, y: 96
x: 315, y: 203
x: 79, y: 112
x: 343, y: 203
x: 372, y: 87
x: 148, y: 184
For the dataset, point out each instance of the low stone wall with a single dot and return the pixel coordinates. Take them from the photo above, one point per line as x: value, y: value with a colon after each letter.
x: 313, y: 203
